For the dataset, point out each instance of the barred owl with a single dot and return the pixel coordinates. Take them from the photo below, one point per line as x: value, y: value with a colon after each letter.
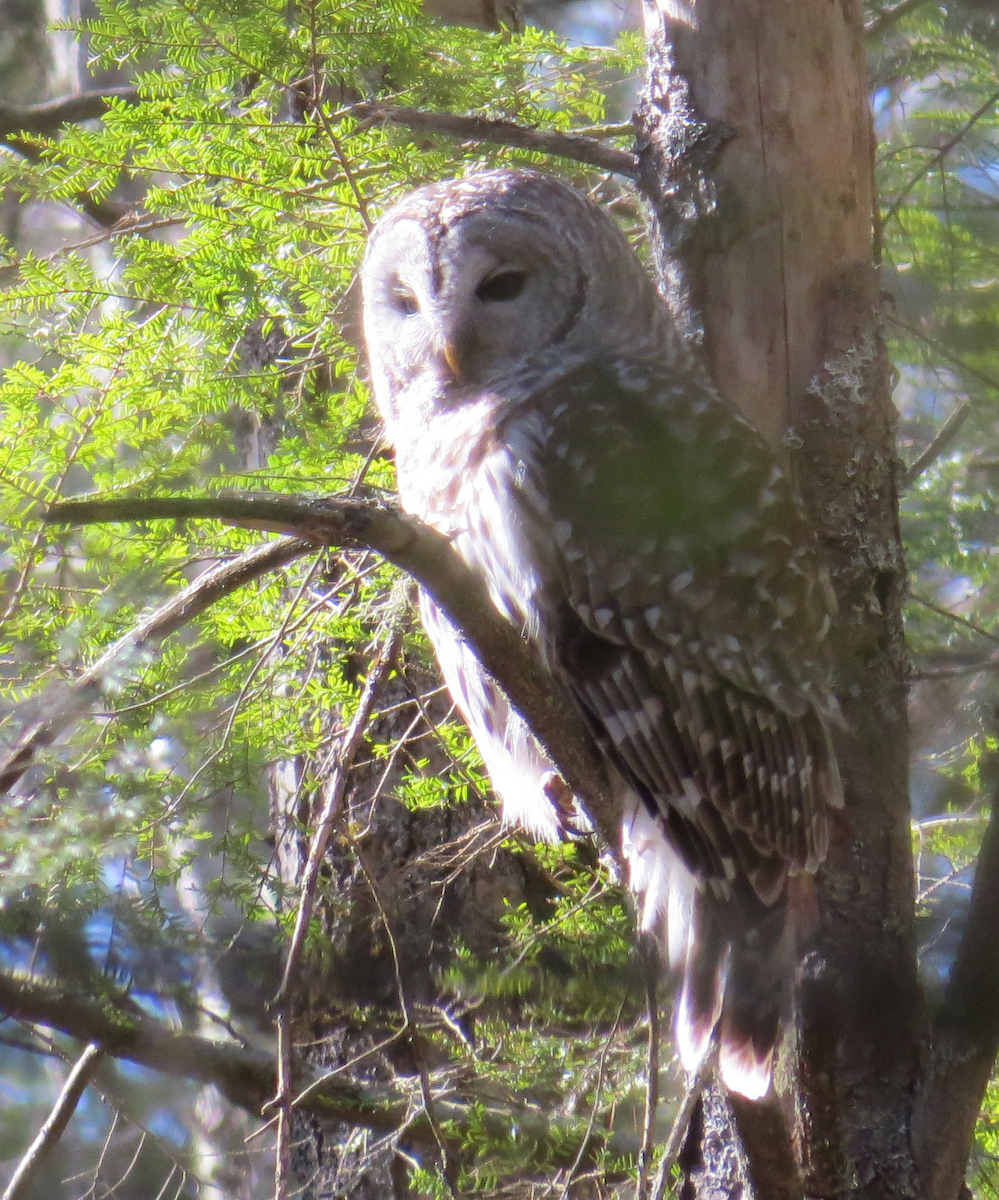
x: 546, y: 417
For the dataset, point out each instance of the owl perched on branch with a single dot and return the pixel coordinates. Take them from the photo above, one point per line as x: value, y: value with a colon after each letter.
x: 642, y: 535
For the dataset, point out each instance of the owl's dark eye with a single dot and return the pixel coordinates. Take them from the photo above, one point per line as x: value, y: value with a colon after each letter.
x: 507, y: 285
x: 404, y: 302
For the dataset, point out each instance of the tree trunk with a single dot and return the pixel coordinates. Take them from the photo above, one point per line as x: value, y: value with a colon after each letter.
x: 757, y: 150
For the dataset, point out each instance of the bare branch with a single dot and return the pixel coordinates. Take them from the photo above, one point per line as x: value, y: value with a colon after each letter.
x: 245, y: 1076
x: 64, y: 705
x: 55, y: 1124
x: 769, y: 1152
x: 941, y: 443
x: 502, y: 133
x: 681, y: 1125
x: 652, y: 965
x: 19, y: 124
x: 953, y: 616
x: 429, y: 557
x: 334, y: 788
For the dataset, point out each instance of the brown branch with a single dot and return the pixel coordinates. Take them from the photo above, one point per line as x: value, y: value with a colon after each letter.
x: 964, y: 1037
x: 681, y: 1125
x: 502, y: 133
x: 767, y: 1144
x: 652, y: 967
x: 47, y: 118
x: 429, y: 557
x: 890, y: 17
x: 940, y: 444
x: 953, y: 616
x: 41, y: 120
x: 63, y: 705
x: 55, y: 1124
x: 245, y: 1076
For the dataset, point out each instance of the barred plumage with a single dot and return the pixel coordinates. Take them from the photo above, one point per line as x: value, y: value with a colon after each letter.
x: 546, y: 417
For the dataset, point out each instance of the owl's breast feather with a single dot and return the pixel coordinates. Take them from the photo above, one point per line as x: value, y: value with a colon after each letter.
x: 469, y: 487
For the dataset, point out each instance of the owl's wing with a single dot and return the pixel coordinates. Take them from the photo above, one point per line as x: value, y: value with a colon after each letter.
x: 690, y: 620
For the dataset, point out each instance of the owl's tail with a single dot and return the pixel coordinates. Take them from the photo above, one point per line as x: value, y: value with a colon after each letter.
x: 737, y: 966
x: 736, y: 957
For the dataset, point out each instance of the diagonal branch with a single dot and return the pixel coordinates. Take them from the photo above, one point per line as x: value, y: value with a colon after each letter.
x: 936, y: 159
x: 429, y: 557
x: 890, y: 17
x: 501, y: 133
x: 244, y: 1075
x: 333, y: 793
x: 64, y: 705
x: 55, y: 1124
x: 938, y: 348
x: 939, y: 446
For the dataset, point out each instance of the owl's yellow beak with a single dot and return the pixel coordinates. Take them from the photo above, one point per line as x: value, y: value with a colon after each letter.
x: 450, y: 352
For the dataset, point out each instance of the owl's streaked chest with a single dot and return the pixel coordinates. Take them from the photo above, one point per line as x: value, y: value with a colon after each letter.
x: 476, y: 487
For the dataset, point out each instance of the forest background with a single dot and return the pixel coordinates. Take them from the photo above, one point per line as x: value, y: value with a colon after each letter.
x: 178, y: 316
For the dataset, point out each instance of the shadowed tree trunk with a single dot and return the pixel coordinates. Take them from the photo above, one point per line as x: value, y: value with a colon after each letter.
x: 757, y: 157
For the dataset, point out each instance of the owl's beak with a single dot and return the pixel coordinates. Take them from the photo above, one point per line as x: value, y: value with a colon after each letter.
x: 450, y: 352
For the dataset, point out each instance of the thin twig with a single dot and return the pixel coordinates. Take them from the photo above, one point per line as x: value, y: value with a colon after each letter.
x: 953, y: 616
x: 282, y: 1102
x: 990, y: 381
x: 954, y: 670
x: 50, y: 1133
x: 618, y: 129
x: 410, y: 1027
x: 334, y: 789
x: 597, y: 1088
x: 940, y: 155
x: 64, y: 705
x: 940, y: 444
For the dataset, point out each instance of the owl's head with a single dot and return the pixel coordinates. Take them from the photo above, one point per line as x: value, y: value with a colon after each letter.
x: 498, y: 283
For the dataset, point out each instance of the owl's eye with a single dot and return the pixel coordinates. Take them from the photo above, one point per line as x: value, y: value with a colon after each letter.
x: 404, y: 302
x: 507, y: 285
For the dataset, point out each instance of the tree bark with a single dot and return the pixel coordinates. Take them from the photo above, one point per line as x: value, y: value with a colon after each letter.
x: 757, y: 155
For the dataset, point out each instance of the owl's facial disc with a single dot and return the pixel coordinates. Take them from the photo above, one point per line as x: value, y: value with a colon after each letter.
x: 471, y: 306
